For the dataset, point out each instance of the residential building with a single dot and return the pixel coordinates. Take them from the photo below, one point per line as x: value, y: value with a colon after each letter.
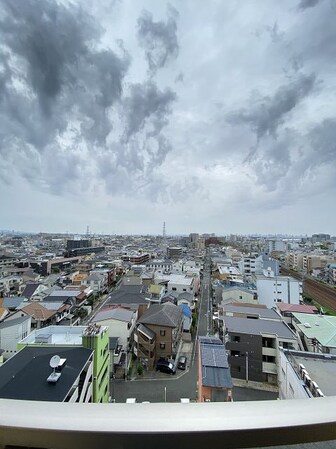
x: 96, y: 282
x: 93, y: 337
x: 253, y: 346
x: 276, y: 246
x: 214, y: 378
x: 155, y: 293
x: 34, y: 290
x: 320, y: 238
x: 28, y: 375
x: 304, y: 375
x: 181, y: 283
x: 46, y: 267
x: 317, y: 332
x: 239, y: 294
x: 165, y: 265
x: 287, y: 310
x: 11, y: 332
x: 121, y: 324
x: 77, y: 243
x: 158, y: 333
x: 273, y: 289
x: 174, y: 252
x: 136, y: 258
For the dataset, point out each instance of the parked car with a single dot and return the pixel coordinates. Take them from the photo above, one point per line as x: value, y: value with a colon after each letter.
x: 165, y: 366
x: 182, y: 362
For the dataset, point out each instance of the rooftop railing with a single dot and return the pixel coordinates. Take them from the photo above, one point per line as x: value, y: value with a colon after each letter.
x: 167, y: 425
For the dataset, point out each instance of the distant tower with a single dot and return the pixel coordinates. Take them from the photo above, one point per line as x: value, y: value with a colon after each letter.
x: 87, y: 230
x: 164, y: 231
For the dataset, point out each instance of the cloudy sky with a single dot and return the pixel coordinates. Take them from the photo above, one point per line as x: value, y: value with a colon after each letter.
x: 215, y: 116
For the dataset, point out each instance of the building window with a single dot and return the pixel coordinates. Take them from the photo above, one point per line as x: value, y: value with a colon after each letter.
x: 162, y: 333
x: 235, y: 353
x: 162, y: 346
x: 174, y: 289
x: 236, y: 339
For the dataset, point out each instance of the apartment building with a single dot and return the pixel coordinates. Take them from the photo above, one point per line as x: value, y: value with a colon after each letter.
x: 253, y: 345
x: 273, y: 289
x: 92, y: 337
x: 29, y: 375
x: 304, y: 375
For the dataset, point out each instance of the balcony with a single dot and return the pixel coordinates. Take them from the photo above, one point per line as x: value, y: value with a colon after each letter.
x: 235, y: 425
x: 269, y: 368
x: 269, y: 351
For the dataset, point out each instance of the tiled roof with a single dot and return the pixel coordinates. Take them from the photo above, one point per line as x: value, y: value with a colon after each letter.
x: 38, y: 312
x: 162, y: 314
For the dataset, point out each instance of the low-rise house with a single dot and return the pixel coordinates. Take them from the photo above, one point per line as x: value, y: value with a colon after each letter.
x: 287, y: 310
x: 97, y: 282
x: 214, y: 378
x: 239, y: 294
x: 187, y: 318
x: 120, y: 322
x: 34, y: 291
x: 11, y: 303
x: 155, y: 293
x: 187, y: 299
x: 317, y: 332
x: 9, y: 285
x: 158, y: 333
x: 40, y: 315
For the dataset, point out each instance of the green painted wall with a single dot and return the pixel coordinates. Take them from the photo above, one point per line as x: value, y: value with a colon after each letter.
x: 101, y: 364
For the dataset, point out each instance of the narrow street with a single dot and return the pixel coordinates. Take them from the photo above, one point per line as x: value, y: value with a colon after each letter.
x: 163, y: 387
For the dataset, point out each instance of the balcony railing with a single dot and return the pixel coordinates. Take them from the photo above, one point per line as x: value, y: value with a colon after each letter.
x: 228, y: 425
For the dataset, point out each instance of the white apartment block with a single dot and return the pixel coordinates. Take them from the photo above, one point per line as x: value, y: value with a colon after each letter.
x: 274, y: 289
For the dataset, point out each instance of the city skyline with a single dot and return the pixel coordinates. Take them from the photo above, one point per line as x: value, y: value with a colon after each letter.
x: 126, y: 114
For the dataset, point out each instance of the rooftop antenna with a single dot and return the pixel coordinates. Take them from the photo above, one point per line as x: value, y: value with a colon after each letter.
x: 54, y: 362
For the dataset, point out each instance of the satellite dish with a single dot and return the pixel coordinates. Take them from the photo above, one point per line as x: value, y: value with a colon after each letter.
x: 54, y: 361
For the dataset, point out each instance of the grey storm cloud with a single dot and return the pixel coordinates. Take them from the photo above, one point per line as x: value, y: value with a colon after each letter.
x: 305, y: 4
x: 267, y: 113
x: 60, y: 91
x: 54, y: 52
x: 147, y: 103
x: 159, y: 39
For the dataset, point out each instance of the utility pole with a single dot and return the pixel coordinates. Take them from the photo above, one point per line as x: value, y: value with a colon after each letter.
x: 246, y: 367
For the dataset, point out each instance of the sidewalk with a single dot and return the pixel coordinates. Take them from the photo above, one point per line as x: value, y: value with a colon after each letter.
x: 255, y: 385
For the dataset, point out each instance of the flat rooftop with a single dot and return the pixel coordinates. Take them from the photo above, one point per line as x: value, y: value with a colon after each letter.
x: 261, y: 312
x: 321, y: 369
x: 258, y: 327
x: 58, y: 335
x: 321, y: 327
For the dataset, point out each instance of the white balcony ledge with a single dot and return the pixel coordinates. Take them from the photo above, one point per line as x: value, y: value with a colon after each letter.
x: 165, y: 425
